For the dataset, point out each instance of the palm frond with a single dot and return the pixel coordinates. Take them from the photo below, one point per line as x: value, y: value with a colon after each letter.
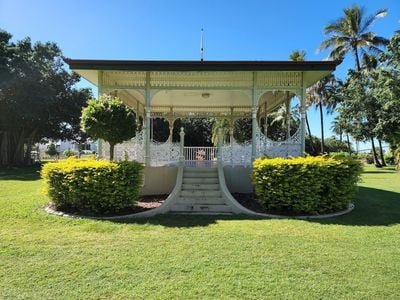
x: 372, y: 18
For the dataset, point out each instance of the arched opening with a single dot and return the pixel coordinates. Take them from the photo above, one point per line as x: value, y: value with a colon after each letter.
x: 279, y: 115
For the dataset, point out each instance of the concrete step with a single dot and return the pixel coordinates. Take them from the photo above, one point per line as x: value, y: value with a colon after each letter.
x: 200, y: 186
x: 200, y: 200
x: 200, y: 193
x: 200, y: 208
x: 200, y: 180
x: 203, y: 170
x: 200, y: 175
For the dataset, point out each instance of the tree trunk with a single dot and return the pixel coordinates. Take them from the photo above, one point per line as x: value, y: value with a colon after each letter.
x: 348, y: 143
x: 4, y: 160
x: 376, y: 160
x: 308, y: 126
x: 309, y: 134
x: 341, y: 136
x: 321, y: 113
x: 19, y: 153
x: 357, y: 59
x: 112, y: 151
x: 381, y: 153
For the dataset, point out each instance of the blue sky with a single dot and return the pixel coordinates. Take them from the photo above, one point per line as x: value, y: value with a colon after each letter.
x: 234, y: 30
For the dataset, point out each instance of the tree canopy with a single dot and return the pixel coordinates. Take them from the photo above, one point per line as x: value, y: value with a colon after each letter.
x: 37, y: 98
x: 109, y: 119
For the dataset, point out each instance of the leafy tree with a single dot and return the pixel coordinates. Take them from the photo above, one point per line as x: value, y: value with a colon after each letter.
x: 52, y: 150
x: 109, y: 119
x: 361, y: 109
x: 349, y: 33
x: 242, y: 130
x: 197, y: 131
x: 334, y: 145
x: 37, y: 98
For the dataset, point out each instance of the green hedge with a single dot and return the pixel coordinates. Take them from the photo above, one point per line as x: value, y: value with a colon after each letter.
x: 306, y: 185
x: 91, y: 186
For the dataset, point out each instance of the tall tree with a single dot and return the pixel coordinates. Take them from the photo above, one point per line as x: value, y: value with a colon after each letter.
x: 324, y: 93
x: 361, y: 109
x: 109, y: 119
x: 37, y: 98
x: 350, y: 33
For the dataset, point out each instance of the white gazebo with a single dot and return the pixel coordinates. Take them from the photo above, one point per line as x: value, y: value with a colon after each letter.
x: 198, y: 89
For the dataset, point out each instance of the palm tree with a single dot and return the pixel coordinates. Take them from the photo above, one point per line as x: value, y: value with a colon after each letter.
x: 325, y: 92
x: 349, y: 33
x: 300, y: 55
x: 340, y: 127
x: 224, y: 125
x: 337, y: 128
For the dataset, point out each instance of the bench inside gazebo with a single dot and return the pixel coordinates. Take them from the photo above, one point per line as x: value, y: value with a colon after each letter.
x: 201, y: 178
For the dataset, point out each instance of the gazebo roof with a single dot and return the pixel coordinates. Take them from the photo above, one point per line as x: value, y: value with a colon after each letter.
x: 191, y: 65
x: 203, y: 87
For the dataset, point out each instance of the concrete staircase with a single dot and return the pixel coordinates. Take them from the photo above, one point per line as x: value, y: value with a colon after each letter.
x: 200, y: 192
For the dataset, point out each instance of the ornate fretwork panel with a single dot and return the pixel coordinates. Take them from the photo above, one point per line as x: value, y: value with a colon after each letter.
x: 287, y: 148
x: 163, y: 153
x: 278, y: 79
x: 201, y: 112
x: 124, y: 79
x: 131, y: 150
x: 201, y: 79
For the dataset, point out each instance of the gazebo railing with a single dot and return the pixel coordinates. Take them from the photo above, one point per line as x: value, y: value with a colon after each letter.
x: 200, y: 153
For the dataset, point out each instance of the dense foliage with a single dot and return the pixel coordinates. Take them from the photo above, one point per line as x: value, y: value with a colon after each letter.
x: 109, y: 119
x: 93, y: 186
x: 37, y: 98
x: 305, y: 185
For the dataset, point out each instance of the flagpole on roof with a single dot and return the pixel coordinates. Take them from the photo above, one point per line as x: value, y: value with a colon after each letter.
x: 201, y: 45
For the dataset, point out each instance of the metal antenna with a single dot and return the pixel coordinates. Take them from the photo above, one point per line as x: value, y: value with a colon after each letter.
x: 201, y: 45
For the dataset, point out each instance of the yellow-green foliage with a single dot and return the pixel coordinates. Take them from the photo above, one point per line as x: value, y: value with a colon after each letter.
x: 93, y: 186
x: 305, y: 185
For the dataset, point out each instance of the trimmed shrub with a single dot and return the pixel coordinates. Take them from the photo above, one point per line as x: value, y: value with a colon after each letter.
x: 306, y: 185
x: 69, y: 153
x: 93, y: 186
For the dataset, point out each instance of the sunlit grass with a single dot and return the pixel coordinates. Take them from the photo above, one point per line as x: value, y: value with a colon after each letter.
x: 181, y: 257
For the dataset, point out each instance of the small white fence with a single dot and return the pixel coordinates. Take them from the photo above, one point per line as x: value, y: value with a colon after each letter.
x: 200, y: 153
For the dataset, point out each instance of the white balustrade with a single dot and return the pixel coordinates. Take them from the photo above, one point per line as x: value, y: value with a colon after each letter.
x: 200, y: 153
x: 234, y: 154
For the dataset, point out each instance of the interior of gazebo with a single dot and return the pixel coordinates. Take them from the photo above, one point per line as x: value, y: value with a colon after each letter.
x: 232, y: 108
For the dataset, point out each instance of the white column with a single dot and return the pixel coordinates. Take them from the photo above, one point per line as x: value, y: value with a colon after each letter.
x: 147, y: 136
x: 288, y: 118
x: 303, y: 109
x: 182, y: 145
x: 99, y: 92
x: 219, y: 145
x: 147, y: 109
x: 254, y: 103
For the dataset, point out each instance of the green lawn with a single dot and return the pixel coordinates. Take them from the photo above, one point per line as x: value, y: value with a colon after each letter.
x: 355, y: 256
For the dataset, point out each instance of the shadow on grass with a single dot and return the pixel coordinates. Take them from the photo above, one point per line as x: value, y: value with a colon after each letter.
x: 20, y: 173
x: 182, y: 220
x: 373, y: 207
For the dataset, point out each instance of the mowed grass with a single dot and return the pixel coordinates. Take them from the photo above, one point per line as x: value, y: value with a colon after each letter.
x: 356, y: 256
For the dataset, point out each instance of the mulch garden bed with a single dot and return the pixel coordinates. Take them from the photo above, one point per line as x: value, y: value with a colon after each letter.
x: 144, y: 203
